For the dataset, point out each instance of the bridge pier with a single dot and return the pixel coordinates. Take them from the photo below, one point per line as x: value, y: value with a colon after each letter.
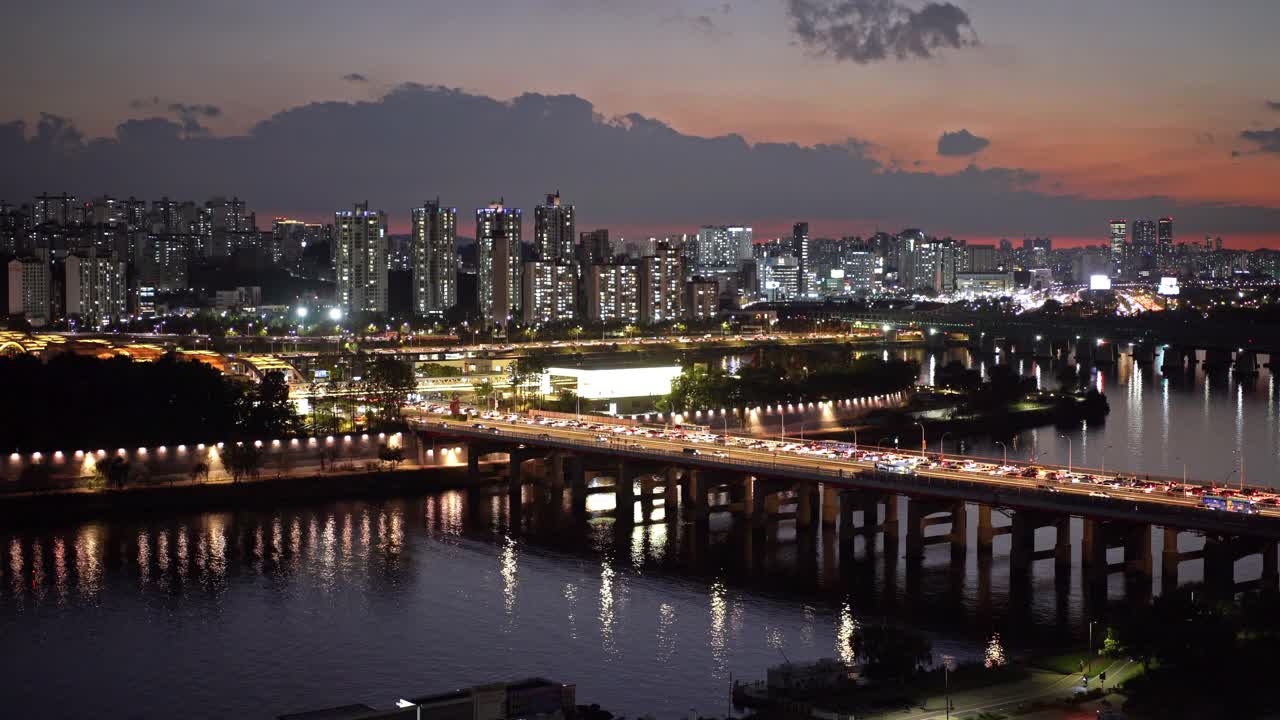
x: 922, y: 514
x: 694, y: 503
x: 1246, y: 363
x: 1022, y: 537
x: 1216, y: 359
x: 986, y: 534
x: 1134, y: 538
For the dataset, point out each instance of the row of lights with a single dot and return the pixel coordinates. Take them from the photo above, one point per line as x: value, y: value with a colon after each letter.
x: 58, y: 455
x: 782, y: 408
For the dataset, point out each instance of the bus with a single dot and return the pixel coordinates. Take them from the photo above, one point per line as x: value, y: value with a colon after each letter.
x: 1236, y: 505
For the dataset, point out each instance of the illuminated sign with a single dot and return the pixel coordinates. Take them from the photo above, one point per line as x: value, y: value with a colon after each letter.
x: 1168, y: 286
x: 1099, y: 282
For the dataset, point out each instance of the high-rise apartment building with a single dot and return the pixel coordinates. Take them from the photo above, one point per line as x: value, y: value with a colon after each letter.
x: 554, y: 228
x: 549, y: 292
x: 96, y: 288
x: 721, y: 247
x: 29, y: 288
x: 435, y: 258
x: 594, y: 247
x: 59, y: 210
x: 498, y: 262
x: 360, y: 242
x: 701, y: 299
x: 1164, y: 242
x: 800, y: 250
x: 613, y: 293
x: 661, y: 279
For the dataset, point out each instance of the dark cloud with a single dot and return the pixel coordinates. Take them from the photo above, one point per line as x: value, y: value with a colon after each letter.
x: 630, y: 170
x: 355, y: 78
x: 1274, y: 105
x: 144, y: 103
x: 865, y: 31
x: 190, y: 116
x: 961, y: 142
x: 1268, y: 141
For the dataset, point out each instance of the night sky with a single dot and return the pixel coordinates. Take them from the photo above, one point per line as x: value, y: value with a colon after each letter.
x: 979, y: 119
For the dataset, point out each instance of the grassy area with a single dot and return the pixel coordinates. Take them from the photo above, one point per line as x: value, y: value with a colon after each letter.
x: 1064, y: 663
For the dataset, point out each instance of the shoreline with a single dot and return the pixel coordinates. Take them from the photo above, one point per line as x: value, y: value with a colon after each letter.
x: 42, y: 507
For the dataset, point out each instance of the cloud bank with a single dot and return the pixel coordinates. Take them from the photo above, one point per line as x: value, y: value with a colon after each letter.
x: 960, y: 143
x: 866, y: 31
x: 417, y: 142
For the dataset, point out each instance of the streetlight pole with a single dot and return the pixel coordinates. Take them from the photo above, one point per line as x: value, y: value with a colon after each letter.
x: 924, y: 449
x: 1070, y: 449
x: 941, y: 447
x: 1005, y: 448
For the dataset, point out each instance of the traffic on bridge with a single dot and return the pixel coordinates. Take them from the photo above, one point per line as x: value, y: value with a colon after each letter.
x: 844, y: 459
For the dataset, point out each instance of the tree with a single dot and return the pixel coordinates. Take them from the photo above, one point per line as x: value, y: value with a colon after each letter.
x: 389, y: 382
x: 392, y: 456
x: 242, y: 460
x: 266, y: 409
x: 484, y: 391
x: 200, y: 472
x: 994, y: 656
x: 522, y: 370
x: 112, y: 471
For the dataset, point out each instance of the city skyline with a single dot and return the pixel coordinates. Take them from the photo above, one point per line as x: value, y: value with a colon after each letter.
x: 962, y: 133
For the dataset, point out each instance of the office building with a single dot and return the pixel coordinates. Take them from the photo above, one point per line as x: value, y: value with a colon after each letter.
x: 29, y: 288
x: 777, y: 278
x: 1119, y: 231
x: 800, y: 251
x: 701, y: 299
x: 549, y: 293
x: 498, y: 262
x: 360, y: 242
x: 434, y: 251
x: 977, y: 258
x: 96, y: 289
x: 1164, y: 242
x: 554, y: 228
x: 984, y: 283
x: 613, y: 293
x: 662, y: 274
x: 863, y: 272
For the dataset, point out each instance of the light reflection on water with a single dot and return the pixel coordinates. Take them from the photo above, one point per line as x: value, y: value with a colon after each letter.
x: 261, y: 613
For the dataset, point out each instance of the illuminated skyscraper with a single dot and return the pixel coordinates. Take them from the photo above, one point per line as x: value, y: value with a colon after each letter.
x: 1118, y: 233
x: 661, y: 279
x: 498, y: 262
x: 554, y: 225
x: 434, y: 258
x: 360, y: 242
x: 800, y: 250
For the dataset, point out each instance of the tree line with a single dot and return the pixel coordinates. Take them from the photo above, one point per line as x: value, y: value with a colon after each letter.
x: 76, y: 402
x: 711, y: 387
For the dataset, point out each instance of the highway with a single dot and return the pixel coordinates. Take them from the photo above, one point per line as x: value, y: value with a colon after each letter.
x: 770, y: 455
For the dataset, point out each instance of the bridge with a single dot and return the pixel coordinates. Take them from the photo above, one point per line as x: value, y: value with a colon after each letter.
x: 661, y: 479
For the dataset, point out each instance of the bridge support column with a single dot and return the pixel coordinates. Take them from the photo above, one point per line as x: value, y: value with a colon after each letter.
x: 1270, y: 569
x: 986, y: 535
x: 624, y: 493
x: 1137, y: 551
x: 830, y: 505
x: 1219, y: 566
x: 694, y: 503
x: 805, y: 505
x: 1169, y: 560
x: 578, y: 486
x: 923, y: 514
x: 473, y: 464
x: 556, y: 471
x: 670, y: 494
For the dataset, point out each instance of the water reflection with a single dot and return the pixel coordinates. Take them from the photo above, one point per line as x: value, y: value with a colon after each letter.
x: 261, y: 613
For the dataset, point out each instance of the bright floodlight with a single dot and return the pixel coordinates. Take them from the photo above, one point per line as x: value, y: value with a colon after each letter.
x: 335, y: 314
x: 302, y: 312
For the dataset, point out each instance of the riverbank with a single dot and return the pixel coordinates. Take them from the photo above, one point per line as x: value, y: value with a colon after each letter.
x: 75, y: 504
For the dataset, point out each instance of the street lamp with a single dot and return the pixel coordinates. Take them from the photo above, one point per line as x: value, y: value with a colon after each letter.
x: 301, y: 312
x: 941, y: 447
x: 923, y: 448
x: 1070, y: 447
x: 1005, y: 448
x: 335, y: 314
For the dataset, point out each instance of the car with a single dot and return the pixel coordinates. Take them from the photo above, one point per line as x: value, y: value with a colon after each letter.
x: 1047, y: 488
x: 720, y: 453
x: 480, y: 426
x: 1096, y: 494
x: 691, y: 451
x: 543, y: 436
x: 602, y: 438
x: 634, y: 446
